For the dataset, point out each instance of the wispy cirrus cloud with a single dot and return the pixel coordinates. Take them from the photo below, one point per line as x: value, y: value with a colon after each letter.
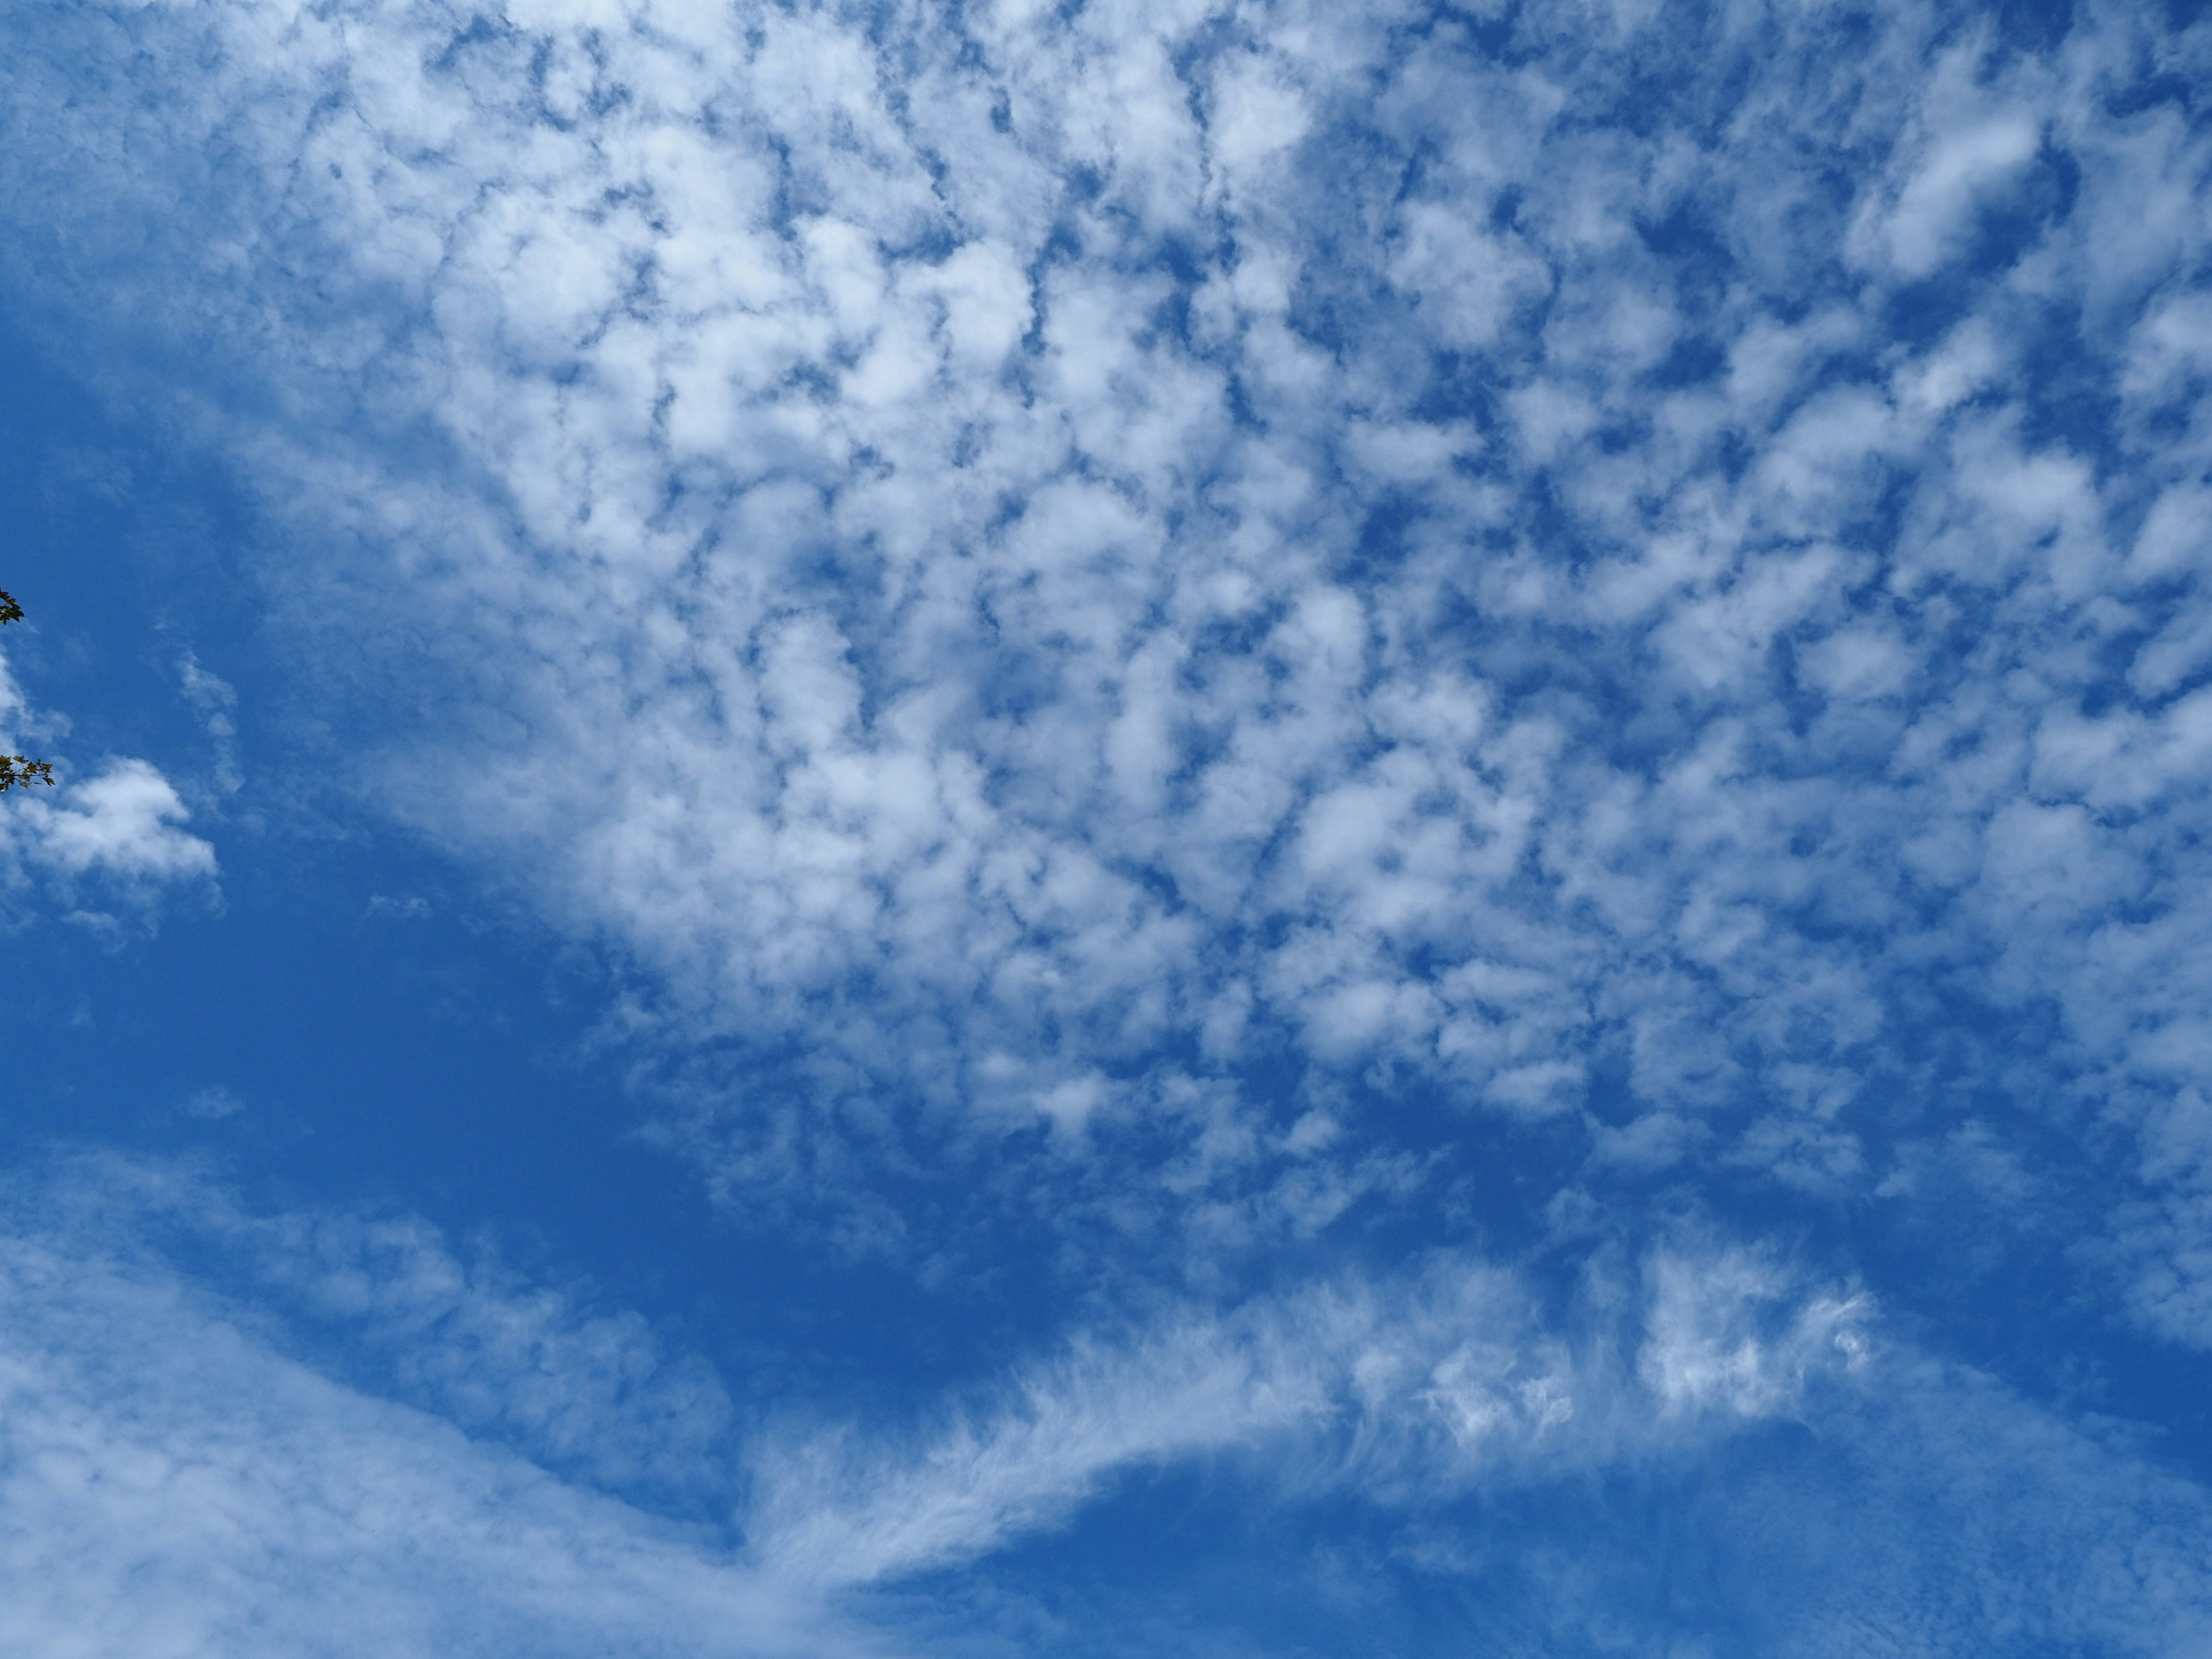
x: 261, y: 1473
x: 1410, y: 1391
x: 173, y: 1478
x: 385, y: 1302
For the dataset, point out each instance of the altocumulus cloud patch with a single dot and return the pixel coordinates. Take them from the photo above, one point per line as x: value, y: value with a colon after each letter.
x: 1451, y: 753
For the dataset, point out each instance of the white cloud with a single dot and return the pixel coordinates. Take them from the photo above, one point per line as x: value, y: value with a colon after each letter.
x: 1036, y: 558
x: 1907, y: 1506
x: 390, y: 1303
x: 111, y: 838
x: 213, y: 1104
x: 1705, y: 1348
x: 1408, y: 1392
x: 170, y: 1483
x: 231, y: 1496
x: 1963, y: 167
x: 983, y: 550
x: 121, y: 821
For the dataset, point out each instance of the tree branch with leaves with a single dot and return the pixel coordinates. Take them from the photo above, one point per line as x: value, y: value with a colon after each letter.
x: 14, y: 770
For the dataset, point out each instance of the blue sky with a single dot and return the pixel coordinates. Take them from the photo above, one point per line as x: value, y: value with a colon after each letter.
x: 1128, y: 829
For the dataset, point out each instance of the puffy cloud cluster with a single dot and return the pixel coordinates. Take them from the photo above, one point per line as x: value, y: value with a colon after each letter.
x: 111, y: 839
x: 1644, y: 566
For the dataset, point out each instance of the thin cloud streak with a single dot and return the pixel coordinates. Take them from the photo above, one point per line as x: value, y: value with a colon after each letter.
x: 228, y: 1497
